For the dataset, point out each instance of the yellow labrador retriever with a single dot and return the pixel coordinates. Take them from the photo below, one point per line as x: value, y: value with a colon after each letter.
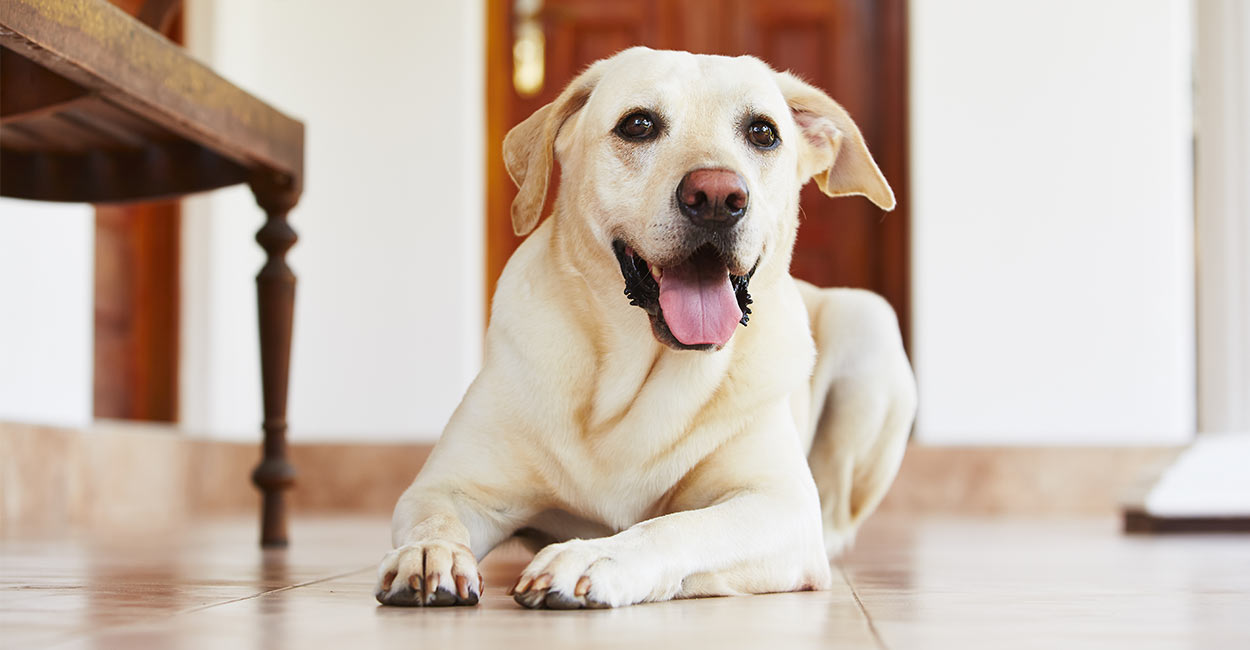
x: 656, y: 443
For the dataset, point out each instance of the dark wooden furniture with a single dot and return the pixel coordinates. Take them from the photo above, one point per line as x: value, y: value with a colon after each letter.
x: 1138, y: 521
x: 97, y: 107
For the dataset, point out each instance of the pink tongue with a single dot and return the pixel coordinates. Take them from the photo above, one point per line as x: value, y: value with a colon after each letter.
x: 699, y: 304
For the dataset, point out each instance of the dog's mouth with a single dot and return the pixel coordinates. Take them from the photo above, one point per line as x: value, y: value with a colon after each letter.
x: 696, y: 304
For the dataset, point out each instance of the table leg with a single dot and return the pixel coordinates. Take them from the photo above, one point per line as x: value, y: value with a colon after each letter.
x: 275, y: 292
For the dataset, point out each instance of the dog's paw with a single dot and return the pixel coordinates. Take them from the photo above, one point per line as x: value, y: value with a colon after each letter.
x: 583, y: 574
x: 429, y: 574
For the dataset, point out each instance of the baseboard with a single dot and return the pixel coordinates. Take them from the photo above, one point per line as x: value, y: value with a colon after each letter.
x: 1027, y: 481
x: 123, y: 474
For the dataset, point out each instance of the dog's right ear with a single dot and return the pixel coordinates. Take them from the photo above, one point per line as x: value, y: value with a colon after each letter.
x: 529, y: 149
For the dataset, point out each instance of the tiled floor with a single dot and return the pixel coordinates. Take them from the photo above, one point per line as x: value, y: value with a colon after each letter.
x: 924, y: 583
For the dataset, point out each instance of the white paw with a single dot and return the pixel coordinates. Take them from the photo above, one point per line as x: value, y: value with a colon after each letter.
x: 582, y: 573
x: 429, y: 574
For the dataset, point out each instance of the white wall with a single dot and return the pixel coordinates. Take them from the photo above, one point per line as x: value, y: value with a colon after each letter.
x: 388, y: 321
x: 47, y: 266
x: 1052, y: 221
x: 1052, y: 229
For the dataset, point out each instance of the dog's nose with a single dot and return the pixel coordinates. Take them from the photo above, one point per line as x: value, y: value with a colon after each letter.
x: 713, y: 198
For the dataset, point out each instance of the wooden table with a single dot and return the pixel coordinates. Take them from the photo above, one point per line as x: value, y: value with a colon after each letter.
x: 97, y: 107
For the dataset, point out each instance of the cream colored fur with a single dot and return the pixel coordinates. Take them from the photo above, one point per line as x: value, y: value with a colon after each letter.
x: 653, y: 473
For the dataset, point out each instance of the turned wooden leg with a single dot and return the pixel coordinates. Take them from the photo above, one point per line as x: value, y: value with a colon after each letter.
x: 275, y: 293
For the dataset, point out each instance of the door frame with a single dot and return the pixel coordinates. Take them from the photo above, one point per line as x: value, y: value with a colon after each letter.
x: 1222, y: 215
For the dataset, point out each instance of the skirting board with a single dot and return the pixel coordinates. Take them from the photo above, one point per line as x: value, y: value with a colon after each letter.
x: 142, y: 475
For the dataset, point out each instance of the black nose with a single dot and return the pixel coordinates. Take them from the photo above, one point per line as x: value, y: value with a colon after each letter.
x: 713, y: 198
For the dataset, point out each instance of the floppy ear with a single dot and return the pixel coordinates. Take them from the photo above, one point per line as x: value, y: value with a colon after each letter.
x: 833, y: 150
x: 529, y: 150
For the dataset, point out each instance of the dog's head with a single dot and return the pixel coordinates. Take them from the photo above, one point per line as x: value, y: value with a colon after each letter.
x: 685, y: 171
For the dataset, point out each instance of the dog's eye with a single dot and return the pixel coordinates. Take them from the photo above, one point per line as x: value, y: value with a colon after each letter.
x: 636, y: 126
x: 762, y: 135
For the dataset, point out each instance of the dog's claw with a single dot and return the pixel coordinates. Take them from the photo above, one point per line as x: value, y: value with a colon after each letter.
x: 532, y: 599
x: 558, y: 600
x: 428, y: 574
x: 441, y: 598
x: 540, y: 595
x: 408, y: 595
x: 388, y: 581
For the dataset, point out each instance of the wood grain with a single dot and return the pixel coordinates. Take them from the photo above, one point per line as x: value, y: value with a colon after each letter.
x: 99, y: 47
x: 136, y: 311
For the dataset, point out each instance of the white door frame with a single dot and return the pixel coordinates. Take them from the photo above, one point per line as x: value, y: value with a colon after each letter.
x: 1222, y: 195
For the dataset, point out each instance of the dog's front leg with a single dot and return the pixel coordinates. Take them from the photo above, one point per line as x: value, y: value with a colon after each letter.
x: 432, y: 564
x: 749, y: 523
x: 439, y: 531
x: 471, y: 494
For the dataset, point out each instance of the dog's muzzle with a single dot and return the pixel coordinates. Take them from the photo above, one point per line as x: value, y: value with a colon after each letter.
x: 696, y: 304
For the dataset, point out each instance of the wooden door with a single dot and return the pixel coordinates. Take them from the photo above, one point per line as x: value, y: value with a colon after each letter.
x: 136, y: 311
x: 854, y: 49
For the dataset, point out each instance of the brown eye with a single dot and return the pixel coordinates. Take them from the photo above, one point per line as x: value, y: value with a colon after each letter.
x: 762, y: 135
x: 636, y: 126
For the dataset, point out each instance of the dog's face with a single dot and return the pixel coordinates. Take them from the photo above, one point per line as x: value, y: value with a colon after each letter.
x: 685, y: 171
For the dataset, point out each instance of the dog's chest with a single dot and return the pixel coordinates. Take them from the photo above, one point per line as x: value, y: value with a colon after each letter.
x: 619, y: 485
x: 640, y: 431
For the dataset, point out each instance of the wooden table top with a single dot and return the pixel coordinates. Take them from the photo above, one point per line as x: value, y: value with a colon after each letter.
x: 95, y: 106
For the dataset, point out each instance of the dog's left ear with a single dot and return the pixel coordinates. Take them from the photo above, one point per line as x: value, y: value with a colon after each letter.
x: 833, y: 150
x: 529, y: 149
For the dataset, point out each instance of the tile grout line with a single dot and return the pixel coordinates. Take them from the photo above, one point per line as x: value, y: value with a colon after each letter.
x: 272, y: 591
x: 136, y: 625
x: 872, y: 627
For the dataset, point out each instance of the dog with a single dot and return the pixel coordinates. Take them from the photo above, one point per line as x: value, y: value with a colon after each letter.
x: 718, y: 428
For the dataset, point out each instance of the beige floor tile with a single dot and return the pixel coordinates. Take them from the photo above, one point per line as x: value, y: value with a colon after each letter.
x: 1062, y: 583
x: 339, y: 614
x: 918, y: 582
